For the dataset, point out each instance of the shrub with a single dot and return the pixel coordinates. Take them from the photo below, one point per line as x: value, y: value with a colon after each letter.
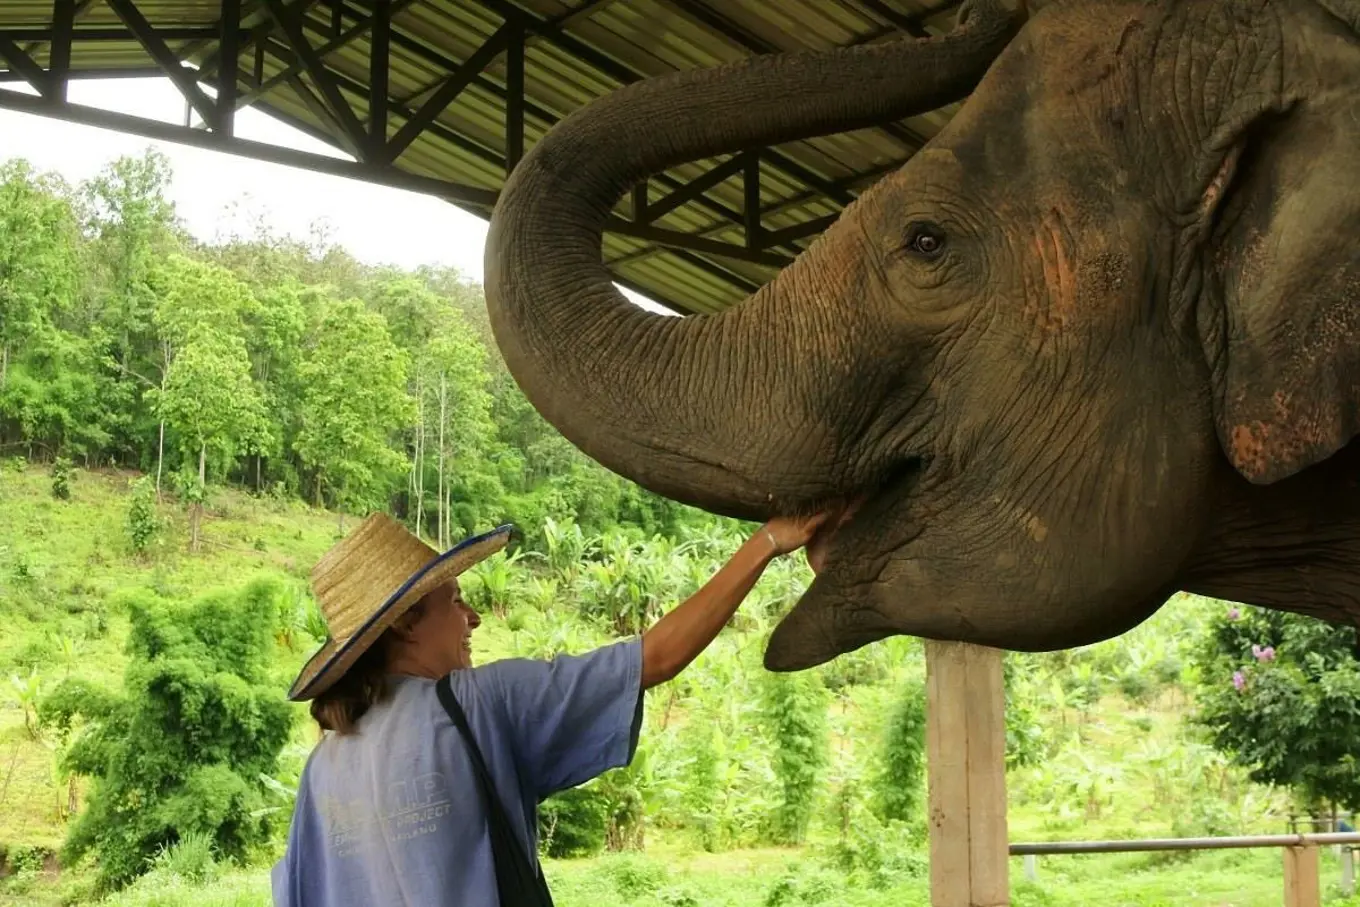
x: 1277, y: 693
x: 61, y: 479
x: 142, y: 523
x: 572, y: 823
x: 794, y: 712
x: 903, y: 756
x: 181, y: 749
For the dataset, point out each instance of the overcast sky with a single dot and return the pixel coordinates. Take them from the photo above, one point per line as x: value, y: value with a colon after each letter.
x: 217, y: 194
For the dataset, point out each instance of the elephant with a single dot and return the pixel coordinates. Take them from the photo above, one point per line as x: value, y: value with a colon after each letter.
x: 1095, y: 344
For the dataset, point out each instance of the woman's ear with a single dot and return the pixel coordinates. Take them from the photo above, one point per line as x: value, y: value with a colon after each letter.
x: 1283, y: 345
x: 403, y: 628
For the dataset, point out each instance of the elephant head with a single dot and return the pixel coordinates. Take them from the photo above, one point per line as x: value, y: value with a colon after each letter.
x: 1038, y: 366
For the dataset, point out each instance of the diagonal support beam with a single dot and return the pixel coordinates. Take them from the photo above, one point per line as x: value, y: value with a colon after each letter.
x: 694, y: 188
x: 24, y: 65
x: 321, y: 78
x: 289, y: 157
x: 692, y: 242
x: 165, y: 58
x: 261, y: 25
x: 452, y: 87
x: 323, y: 113
x: 347, y: 37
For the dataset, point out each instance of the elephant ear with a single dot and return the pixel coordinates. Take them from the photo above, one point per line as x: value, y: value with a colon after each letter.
x: 1284, y: 345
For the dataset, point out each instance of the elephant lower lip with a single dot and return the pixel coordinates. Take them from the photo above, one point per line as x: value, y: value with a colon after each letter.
x: 895, y: 484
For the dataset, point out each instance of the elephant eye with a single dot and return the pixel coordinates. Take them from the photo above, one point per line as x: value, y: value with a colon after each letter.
x: 925, y: 240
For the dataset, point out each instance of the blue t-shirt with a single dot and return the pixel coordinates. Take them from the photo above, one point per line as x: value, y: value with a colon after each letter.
x: 391, y: 815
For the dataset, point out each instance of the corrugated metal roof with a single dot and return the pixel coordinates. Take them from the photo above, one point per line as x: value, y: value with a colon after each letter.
x: 600, y: 44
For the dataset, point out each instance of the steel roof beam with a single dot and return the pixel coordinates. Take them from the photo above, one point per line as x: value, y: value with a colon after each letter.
x: 453, y: 85
x: 39, y: 36
x: 172, y: 132
x: 21, y: 63
x: 229, y: 42
x: 321, y: 76
x: 379, y: 64
x: 626, y: 75
x: 348, y: 36
x: 156, y: 48
x: 479, y: 79
x: 64, y: 15
x: 261, y: 25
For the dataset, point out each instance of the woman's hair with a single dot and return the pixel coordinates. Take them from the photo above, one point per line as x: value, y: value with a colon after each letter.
x: 363, y: 686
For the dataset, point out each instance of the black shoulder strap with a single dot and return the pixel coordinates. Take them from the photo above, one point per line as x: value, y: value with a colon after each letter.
x: 518, y: 882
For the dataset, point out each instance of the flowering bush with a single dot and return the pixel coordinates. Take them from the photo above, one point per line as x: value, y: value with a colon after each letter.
x: 1280, y: 694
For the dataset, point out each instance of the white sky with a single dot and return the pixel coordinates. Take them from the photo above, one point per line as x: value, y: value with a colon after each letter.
x: 217, y: 194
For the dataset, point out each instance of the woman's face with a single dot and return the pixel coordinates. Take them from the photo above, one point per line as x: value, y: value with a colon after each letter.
x: 443, y: 631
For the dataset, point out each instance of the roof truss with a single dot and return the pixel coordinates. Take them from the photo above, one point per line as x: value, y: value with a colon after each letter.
x: 445, y: 96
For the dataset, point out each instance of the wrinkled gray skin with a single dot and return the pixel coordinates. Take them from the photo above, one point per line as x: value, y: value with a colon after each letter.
x: 1099, y: 341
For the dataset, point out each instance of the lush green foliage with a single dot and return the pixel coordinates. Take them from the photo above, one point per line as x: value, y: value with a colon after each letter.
x: 904, y: 756
x: 795, y: 717
x: 1280, y: 692
x: 181, y: 749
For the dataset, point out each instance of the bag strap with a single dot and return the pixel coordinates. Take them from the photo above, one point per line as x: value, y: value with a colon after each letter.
x: 518, y: 882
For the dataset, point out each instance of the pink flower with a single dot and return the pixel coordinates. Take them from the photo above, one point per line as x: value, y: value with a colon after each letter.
x: 1239, y: 681
x: 1234, y: 614
x: 1266, y: 654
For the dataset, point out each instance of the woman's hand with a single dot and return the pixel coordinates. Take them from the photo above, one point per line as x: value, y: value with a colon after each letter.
x: 674, y: 640
x: 787, y: 534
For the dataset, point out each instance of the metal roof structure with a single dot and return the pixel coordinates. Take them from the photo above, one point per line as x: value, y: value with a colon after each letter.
x: 444, y: 96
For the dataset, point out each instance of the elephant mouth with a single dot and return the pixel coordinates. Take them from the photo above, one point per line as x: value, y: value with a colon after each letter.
x: 860, y: 518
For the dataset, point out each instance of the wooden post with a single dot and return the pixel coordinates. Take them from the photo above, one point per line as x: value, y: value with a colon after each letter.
x: 966, y: 771
x: 1301, y: 883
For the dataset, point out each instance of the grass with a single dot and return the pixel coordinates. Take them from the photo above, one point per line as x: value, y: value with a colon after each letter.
x: 742, y: 878
x: 1124, y: 770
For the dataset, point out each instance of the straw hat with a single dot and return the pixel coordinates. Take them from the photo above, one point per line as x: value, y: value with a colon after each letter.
x: 368, y: 580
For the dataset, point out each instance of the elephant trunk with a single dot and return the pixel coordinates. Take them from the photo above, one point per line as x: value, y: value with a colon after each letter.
x: 726, y: 412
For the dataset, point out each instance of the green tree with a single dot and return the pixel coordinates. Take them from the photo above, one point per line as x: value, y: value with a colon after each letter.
x: 181, y: 749
x: 200, y: 312
x: 354, y: 402
x: 53, y: 394
x: 1279, y: 693
x: 455, y: 420
x: 39, y: 255
x: 132, y: 229
x: 209, y: 401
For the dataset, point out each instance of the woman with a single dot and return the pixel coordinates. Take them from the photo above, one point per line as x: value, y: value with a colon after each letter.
x: 425, y: 788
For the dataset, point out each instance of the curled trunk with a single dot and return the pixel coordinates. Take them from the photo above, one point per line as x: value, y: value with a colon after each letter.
x: 737, y: 412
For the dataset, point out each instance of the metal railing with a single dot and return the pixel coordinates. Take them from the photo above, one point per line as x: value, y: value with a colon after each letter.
x: 1315, y: 839
x: 1301, y: 874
